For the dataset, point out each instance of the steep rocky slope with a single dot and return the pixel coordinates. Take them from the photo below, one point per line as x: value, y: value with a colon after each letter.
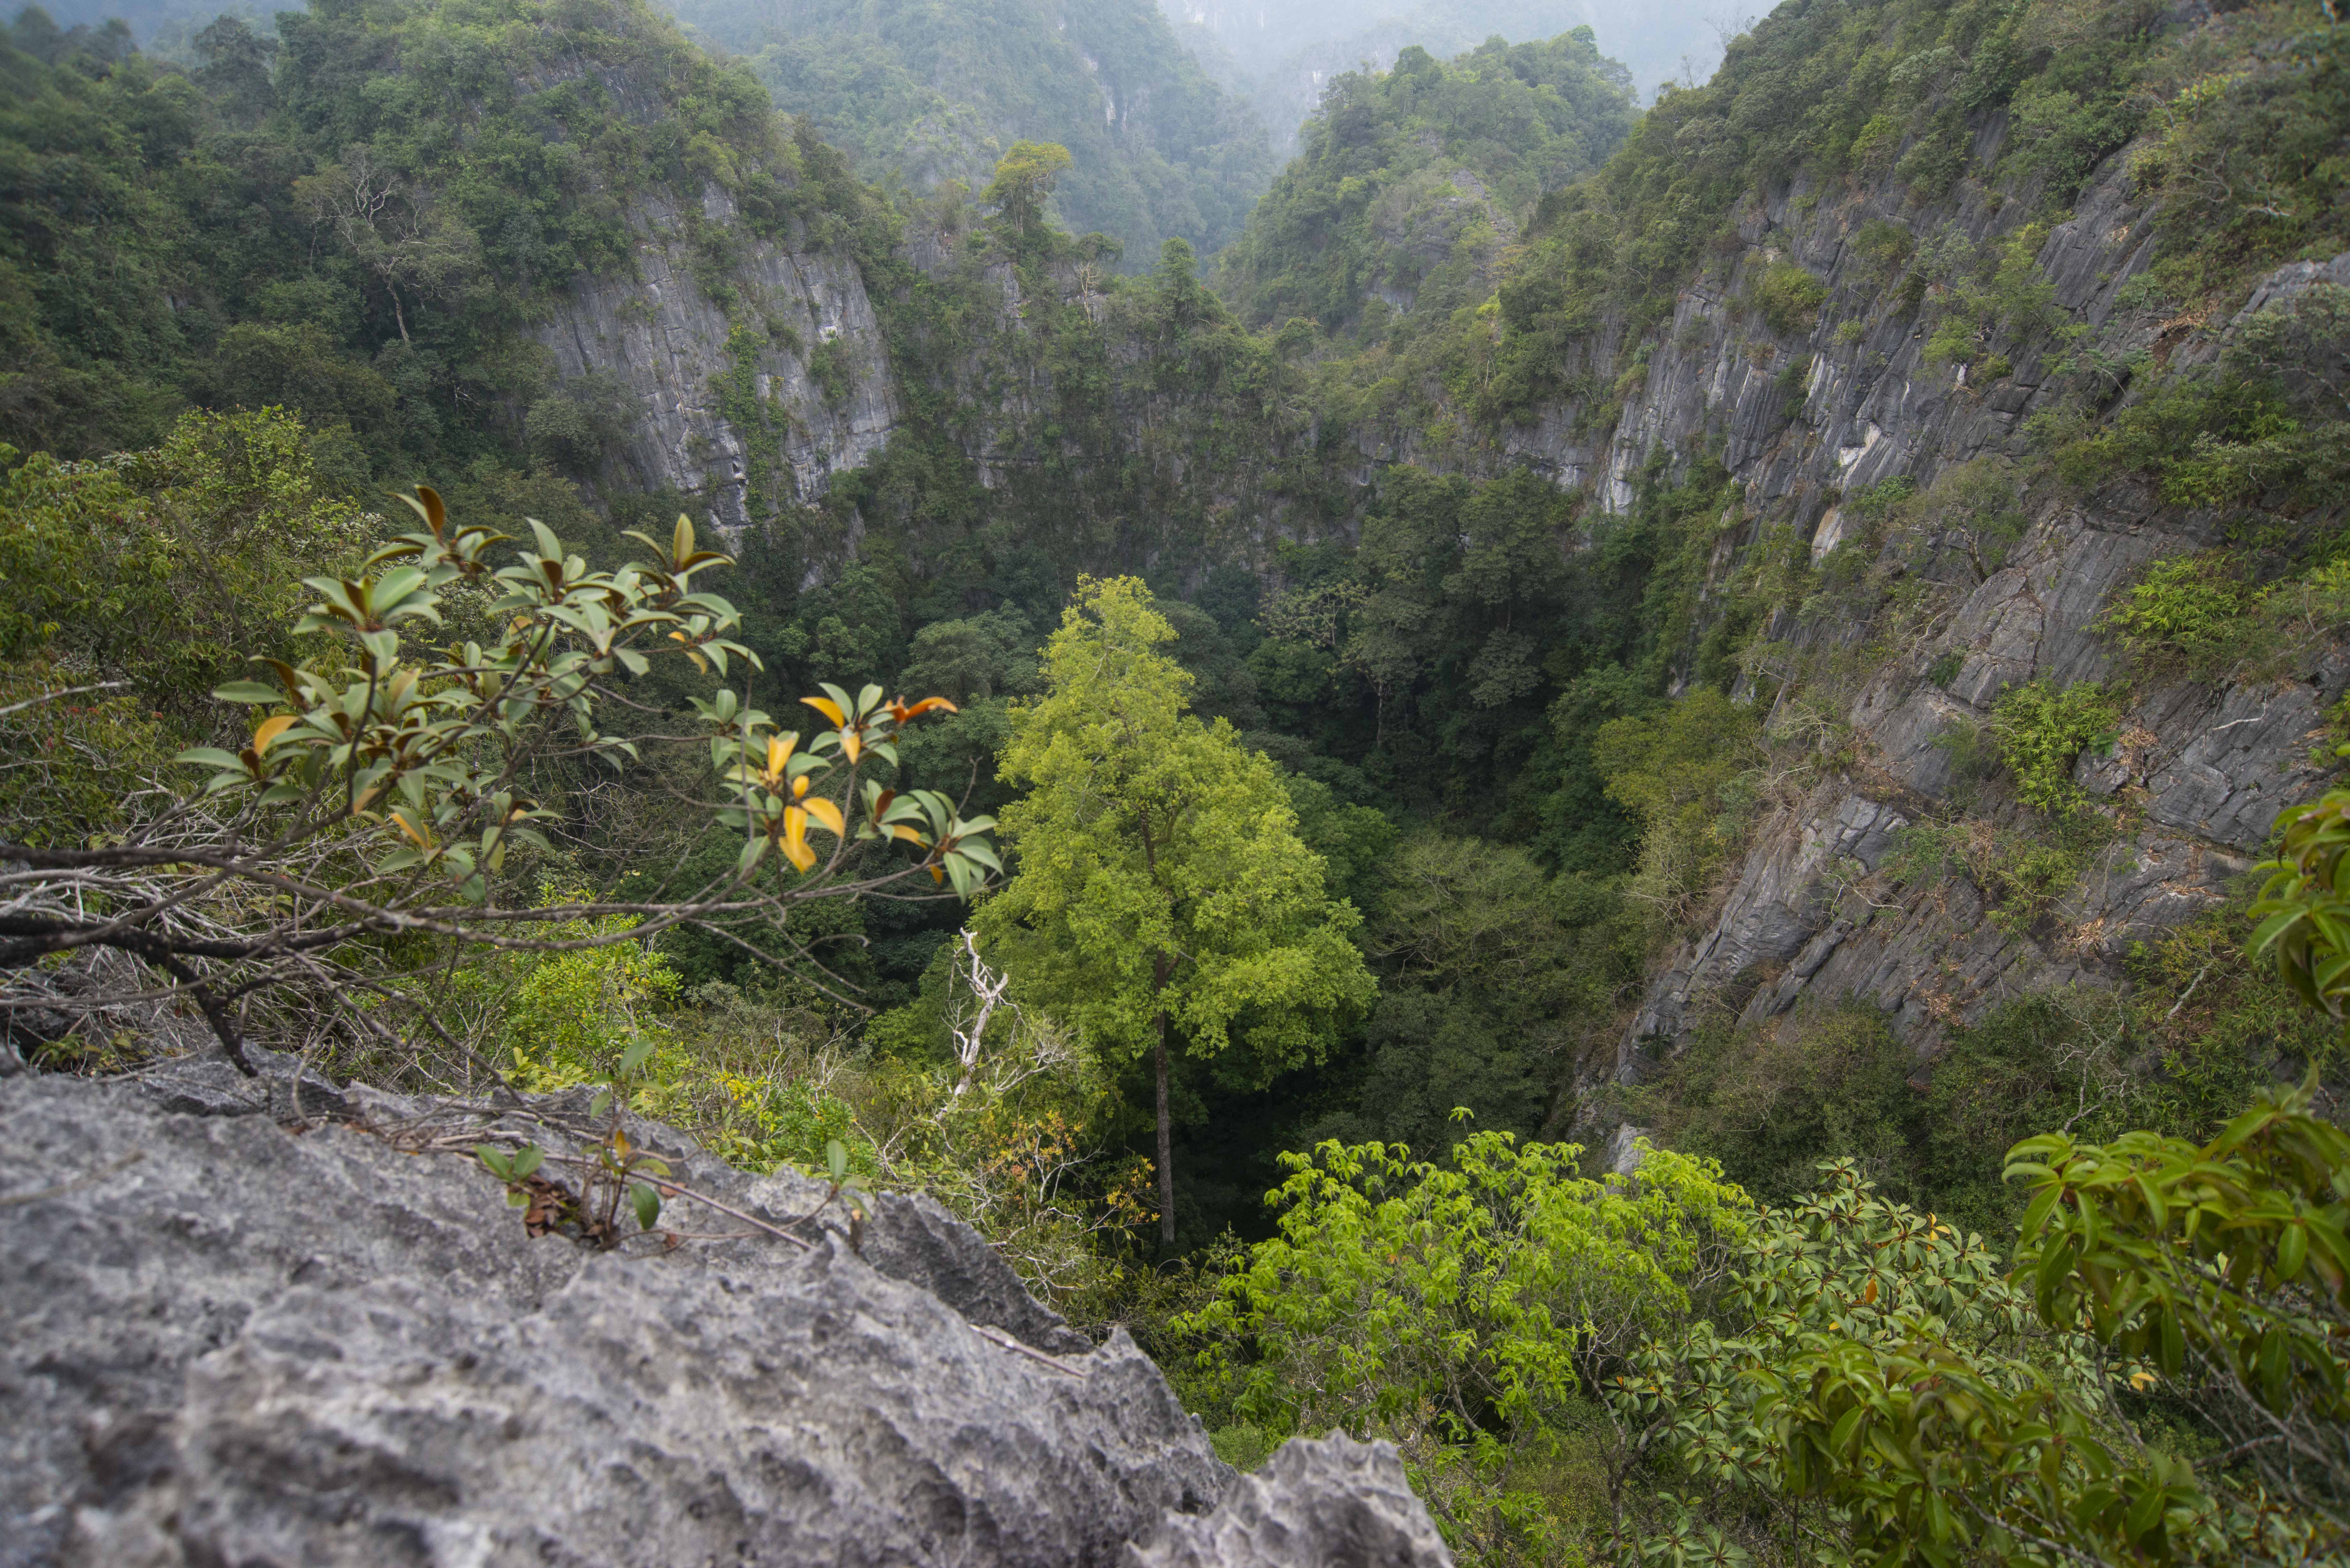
x: 1805, y: 421
x: 233, y: 1340
x: 739, y: 417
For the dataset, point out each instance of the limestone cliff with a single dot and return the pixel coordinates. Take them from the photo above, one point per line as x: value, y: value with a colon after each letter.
x: 1806, y: 419
x: 759, y: 399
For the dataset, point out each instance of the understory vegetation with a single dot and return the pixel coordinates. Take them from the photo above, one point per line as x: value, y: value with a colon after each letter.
x: 1237, y: 794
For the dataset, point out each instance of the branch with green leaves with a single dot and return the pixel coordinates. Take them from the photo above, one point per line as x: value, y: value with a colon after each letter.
x: 385, y: 782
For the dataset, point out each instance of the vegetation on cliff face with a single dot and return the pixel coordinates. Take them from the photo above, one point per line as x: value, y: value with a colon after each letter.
x: 1482, y: 752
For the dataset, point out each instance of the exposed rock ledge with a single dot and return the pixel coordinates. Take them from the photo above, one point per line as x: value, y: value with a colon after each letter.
x: 233, y: 1343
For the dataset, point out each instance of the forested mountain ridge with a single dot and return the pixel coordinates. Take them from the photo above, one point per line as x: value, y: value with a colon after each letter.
x: 929, y: 93
x: 1412, y: 183
x: 362, y: 218
x: 1283, y: 58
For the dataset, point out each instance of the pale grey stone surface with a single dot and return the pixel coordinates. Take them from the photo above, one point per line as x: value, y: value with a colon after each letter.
x: 233, y: 1342
x: 1333, y: 1500
x: 666, y: 344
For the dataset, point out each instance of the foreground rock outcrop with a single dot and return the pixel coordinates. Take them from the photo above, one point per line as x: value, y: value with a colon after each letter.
x: 233, y: 1341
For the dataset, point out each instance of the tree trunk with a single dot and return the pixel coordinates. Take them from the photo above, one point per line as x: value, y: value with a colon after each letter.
x: 1165, y: 1147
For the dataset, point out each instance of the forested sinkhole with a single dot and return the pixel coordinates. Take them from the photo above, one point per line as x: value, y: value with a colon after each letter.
x: 1738, y: 603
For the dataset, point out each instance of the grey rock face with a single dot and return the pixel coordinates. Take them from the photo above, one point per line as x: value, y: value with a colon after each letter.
x: 233, y: 1343
x: 1332, y: 1500
x: 1781, y: 900
x: 712, y: 410
x: 1810, y: 917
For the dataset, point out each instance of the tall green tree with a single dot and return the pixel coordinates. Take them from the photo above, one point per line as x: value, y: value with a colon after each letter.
x: 1163, y: 898
x: 1023, y: 185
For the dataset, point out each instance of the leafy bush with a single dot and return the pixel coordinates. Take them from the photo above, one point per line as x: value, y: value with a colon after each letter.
x: 2189, y: 614
x: 1954, y: 340
x: 2021, y: 875
x: 166, y: 568
x: 2216, y: 1028
x: 1764, y: 1102
x: 1874, y: 150
x: 1789, y: 297
x: 2224, y: 1268
x: 1688, y: 773
x: 1885, y: 244
x: 2042, y: 729
x: 387, y: 776
x: 1466, y: 1308
x: 1970, y: 516
x: 2205, y: 441
x: 1735, y: 1381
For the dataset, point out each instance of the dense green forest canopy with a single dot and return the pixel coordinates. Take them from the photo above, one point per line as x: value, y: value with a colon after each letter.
x: 1411, y: 182
x: 353, y: 217
x: 1283, y: 58
x: 1502, y: 747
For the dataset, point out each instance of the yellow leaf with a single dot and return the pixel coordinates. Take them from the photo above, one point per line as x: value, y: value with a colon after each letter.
x: 796, y: 844
x: 270, y: 730
x: 853, y: 744
x: 824, y: 811
x: 900, y: 830
x: 827, y: 707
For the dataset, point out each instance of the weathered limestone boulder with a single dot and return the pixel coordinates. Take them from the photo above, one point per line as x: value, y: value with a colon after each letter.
x: 1334, y: 1500
x: 234, y: 1341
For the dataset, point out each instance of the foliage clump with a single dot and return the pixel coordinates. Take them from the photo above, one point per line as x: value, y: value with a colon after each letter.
x: 2042, y: 729
x: 1690, y: 774
x: 1789, y: 297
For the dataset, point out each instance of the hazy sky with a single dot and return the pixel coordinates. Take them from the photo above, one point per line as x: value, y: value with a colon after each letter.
x: 1658, y: 40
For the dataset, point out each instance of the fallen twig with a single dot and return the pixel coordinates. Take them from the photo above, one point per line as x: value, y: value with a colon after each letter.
x: 997, y: 1336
